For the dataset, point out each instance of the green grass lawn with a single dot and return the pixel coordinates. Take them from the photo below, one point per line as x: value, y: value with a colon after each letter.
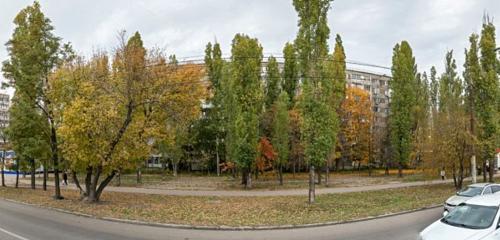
x: 241, y: 211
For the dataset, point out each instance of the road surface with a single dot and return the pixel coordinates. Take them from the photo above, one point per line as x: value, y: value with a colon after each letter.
x: 21, y: 222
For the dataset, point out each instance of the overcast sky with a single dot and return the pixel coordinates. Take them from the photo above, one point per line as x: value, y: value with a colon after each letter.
x: 369, y: 28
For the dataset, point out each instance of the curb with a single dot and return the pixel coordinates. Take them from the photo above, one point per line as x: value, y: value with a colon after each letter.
x: 223, y: 228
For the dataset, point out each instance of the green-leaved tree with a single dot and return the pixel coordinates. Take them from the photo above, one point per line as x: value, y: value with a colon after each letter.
x: 403, y: 98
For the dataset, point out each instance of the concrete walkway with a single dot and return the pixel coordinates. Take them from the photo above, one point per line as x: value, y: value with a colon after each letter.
x: 255, y: 193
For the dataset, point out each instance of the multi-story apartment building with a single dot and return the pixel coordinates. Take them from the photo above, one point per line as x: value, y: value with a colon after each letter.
x: 378, y: 87
x: 4, y: 110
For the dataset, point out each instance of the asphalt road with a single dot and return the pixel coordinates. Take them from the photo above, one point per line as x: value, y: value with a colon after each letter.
x: 20, y: 222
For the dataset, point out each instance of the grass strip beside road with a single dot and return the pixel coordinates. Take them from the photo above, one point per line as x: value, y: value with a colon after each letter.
x: 241, y: 211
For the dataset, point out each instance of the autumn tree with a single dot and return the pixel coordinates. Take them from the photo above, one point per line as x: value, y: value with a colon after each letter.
x: 452, y: 135
x: 120, y: 113
x: 356, y: 123
x: 318, y: 114
x: 487, y: 90
x: 281, y: 130
x: 266, y: 155
x: 34, y: 51
x: 403, y: 99
x: 180, y: 106
x: 472, y: 75
x: 421, y: 116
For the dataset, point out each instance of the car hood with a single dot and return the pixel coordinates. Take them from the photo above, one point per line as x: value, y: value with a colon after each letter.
x: 455, y: 200
x: 440, y: 231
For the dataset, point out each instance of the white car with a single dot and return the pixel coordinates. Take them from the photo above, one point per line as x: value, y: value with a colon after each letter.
x: 470, y: 192
x: 475, y: 219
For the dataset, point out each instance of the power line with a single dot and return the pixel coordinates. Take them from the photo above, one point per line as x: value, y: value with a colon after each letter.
x: 198, y: 60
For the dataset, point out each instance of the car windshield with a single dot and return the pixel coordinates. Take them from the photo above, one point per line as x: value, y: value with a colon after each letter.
x: 470, y: 191
x: 471, y: 216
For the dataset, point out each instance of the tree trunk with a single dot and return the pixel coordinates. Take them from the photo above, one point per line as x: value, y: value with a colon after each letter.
x: 17, y: 173
x: 139, y: 175
x: 473, y: 168
x: 244, y: 178
x: 312, y: 192
x: 45, y: 175
x: 3, y: 169
x: 248, y: 185
x: 491, y: 170
x: 319, y: 176
x: 327, y: 176
x: 473, y: 150
x: 461, y: 166
x: 484, y: 171
x: 455, y: 183
x: 217, y: 157
x: 33, y: 169
x: 386, y: 169
x: 55, y: 160
x: 77, y: 183
x: 94, y: 189
x: 281, y: 174
x: 174, y: 168
x: 369, y: 170
x: 119, y: 178
x: 400, y: 170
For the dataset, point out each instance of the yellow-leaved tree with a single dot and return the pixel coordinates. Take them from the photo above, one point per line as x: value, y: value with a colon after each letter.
x: 356, y: 122
x: 114, y: 113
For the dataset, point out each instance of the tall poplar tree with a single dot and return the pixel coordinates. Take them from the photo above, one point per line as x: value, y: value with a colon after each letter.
x: 33, y: 53
x: 403, y: 99
x: 281, y: 125
x: 339, y: 72
x: 318, y: 114
x: 487, y: 95
x: 472, y: 74
x: 214, y: 64
x: 290, y: 72
x: 246, y: 60
x: 273, y: 82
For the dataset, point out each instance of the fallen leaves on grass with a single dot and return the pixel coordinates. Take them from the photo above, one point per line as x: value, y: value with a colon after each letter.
x: 241, y: 211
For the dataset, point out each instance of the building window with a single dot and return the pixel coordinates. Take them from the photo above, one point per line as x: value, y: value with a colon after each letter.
x: 367, y: 87
x: 382, y: 83
x: 375, y: 109
x: 355, y: 76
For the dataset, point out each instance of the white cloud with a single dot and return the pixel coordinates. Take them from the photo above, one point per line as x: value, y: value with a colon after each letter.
x: 369, y: 28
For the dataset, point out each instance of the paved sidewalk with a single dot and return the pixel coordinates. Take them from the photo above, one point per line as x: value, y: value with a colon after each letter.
x: 258, y: 193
